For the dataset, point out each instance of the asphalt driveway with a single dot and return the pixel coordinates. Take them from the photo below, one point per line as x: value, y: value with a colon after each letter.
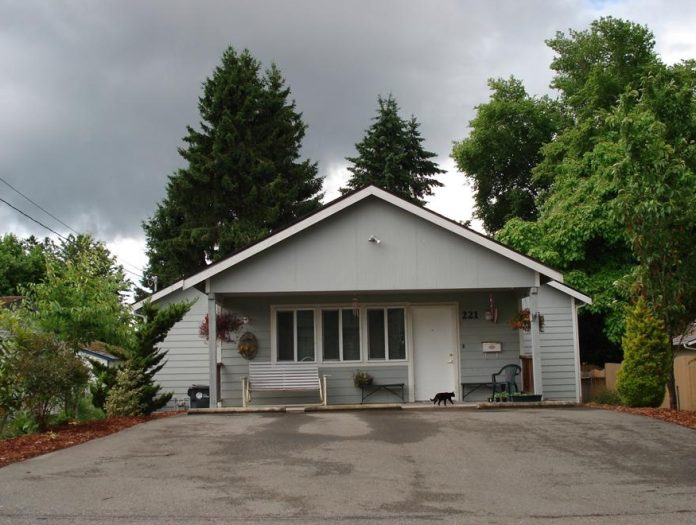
x: 443, y: 466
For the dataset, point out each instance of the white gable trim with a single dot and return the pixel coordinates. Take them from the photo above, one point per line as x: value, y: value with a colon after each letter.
x: 570, y: 291
x: 349, y: 201
x: 158, y: 295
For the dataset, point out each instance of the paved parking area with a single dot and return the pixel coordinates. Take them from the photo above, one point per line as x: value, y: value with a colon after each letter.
x: 567, y: 466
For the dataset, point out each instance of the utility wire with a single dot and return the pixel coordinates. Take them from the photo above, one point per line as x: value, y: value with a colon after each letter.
x: 64, y: 224
x: 54, y: 231
x: 39, y: 206
x: 33, y: 219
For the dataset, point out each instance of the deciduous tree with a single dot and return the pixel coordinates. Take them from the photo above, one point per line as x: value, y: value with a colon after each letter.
x: 502, y: 149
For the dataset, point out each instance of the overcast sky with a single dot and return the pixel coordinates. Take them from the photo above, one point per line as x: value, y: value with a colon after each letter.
x: 95, y: 96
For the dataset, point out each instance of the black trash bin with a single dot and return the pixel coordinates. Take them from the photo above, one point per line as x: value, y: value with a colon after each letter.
x: 200, y: 396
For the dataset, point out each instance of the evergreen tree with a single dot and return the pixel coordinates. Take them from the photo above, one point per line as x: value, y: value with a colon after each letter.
x: 392, y: 157
x: 143, y: 360
x: 244, y: 177
x: 643, y: 375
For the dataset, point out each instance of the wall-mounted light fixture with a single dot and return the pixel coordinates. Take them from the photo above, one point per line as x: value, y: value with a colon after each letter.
x: 374, y: 239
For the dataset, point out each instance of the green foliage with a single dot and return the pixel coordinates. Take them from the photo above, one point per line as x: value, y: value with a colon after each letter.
x: 607, y: 397
x: 103, y: 380
x: 244, y: 178
x: 654, y: 128
x: 21, y: 263
x: 647, y: 359
x: 22, y: 422
x: 43, y: 371
x: 577, y: 230
x: 501, y: 150
x: 126, y: 397
x: 135, y: 391
x: 391, y: 156
x: 80, y: 299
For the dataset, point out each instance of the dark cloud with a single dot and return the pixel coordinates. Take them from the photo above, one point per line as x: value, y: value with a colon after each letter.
x: 95, y: 96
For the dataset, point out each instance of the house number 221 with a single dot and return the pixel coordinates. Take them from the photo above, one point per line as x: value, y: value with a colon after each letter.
x: 469, y: 314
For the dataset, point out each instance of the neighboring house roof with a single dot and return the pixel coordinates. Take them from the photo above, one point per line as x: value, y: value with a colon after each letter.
x: 96, y: 350
x: 687, y: 339
x: 346, y: 201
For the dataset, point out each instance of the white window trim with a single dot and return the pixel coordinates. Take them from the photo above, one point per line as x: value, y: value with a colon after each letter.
x: 387, y: 358
x: 274, y: 333
x: 318, y: 335
x: 320, y: 340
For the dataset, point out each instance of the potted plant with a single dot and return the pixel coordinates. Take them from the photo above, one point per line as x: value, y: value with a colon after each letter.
x: 361, y: 378
x: 499, y: 397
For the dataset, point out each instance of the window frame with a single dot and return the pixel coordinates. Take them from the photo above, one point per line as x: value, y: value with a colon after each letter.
x: 318, y: 308
x: 387, y: 353
x: 340, y: 309
x: 274, y: 333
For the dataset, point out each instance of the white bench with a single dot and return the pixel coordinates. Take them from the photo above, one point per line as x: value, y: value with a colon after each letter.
x: 283, y: 376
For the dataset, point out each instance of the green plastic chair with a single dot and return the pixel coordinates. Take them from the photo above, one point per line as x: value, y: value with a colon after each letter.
x: 505, y: 377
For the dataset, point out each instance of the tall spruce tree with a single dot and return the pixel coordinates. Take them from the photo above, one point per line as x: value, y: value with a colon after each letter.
x: 244, y: 177
x: 392, y: 157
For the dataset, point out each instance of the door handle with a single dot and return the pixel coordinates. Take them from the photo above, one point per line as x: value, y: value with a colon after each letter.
x: 451, y: 358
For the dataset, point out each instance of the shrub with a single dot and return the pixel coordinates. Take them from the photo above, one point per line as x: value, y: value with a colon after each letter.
x: 607, y: 397
x: 125, y: 398
x: 645, y: 370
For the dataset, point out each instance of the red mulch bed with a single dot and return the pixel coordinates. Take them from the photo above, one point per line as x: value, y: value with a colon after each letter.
x: 66, y: 435
x: 685, y: 418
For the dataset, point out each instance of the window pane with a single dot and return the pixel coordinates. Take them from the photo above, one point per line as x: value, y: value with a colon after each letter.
x: 285, y: 334
x: 329, y: 327
x: 375, y: 333
x: 305, y: 335
x: 397, y: 333
x: 351, y: 335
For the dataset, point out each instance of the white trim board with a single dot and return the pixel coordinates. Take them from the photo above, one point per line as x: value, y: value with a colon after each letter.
x: 570, y: 291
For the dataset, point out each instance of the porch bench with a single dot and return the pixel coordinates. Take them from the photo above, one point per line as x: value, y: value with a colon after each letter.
x: 283, y: 376
x: 373, y: 388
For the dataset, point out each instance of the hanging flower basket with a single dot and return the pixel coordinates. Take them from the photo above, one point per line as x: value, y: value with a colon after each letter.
x: 248, y: 346
x: 523, y: 321
x: 226, y: 325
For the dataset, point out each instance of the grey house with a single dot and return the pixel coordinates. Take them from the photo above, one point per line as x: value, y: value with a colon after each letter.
x: 372, y: 282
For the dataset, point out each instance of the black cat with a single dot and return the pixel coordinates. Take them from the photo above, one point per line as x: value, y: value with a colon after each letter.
x: 443, y: 396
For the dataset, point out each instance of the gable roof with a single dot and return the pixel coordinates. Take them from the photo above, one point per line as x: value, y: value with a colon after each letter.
x: 336, y: 206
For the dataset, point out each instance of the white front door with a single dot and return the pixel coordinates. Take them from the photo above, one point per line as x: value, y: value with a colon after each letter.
x: 434, y: 350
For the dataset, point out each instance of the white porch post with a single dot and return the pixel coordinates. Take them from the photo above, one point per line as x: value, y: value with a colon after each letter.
x: 212, y: 350
x: 534, y: 333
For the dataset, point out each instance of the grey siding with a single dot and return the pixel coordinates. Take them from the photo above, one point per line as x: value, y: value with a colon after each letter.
x: 336, y: 256
x: 187, y: 353
x: 557, y: 346
x: 476, y: 365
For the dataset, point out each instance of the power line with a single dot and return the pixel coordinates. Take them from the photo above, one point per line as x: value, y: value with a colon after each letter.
x: 54, y: 231
x: 39, y: 206
x: 63, y: 223
x: 33, y: 219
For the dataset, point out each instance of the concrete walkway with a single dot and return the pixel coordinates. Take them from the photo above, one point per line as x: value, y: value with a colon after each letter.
x: 567, y: 466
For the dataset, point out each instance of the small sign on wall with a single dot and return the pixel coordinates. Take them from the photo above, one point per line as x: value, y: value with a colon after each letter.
x: 492, y: 346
